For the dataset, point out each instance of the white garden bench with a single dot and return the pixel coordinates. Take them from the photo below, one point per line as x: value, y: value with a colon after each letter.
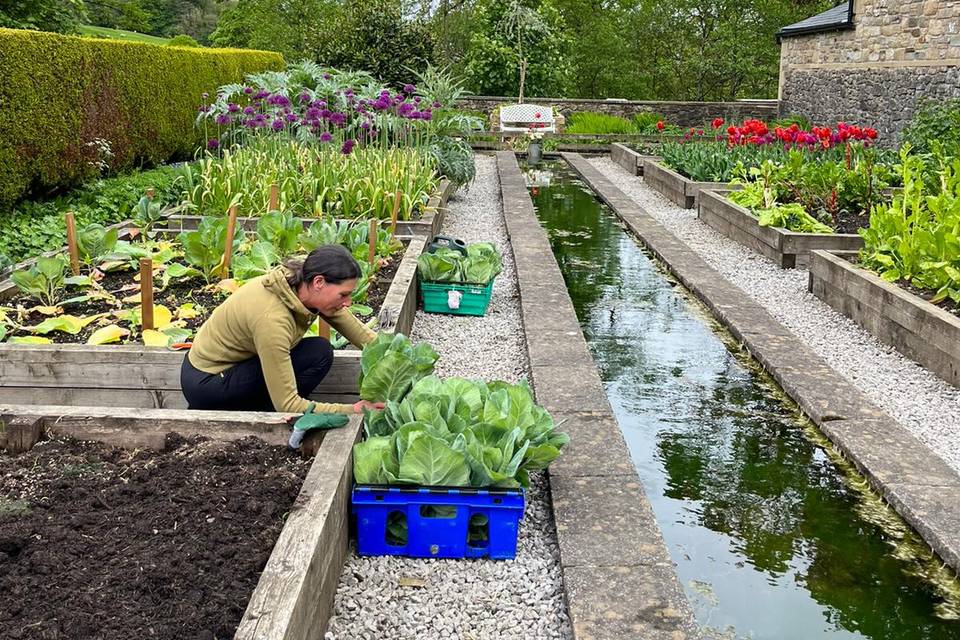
x: 521, y: 118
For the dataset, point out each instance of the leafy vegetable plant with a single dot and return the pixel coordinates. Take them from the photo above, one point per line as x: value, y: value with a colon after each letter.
x: 45, y: 280
x: 458, y: 432
x: 391, y: 364
x: 203, y: 248
x: 481, y: 264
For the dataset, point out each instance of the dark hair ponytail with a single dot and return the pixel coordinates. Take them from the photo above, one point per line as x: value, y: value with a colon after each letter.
x: 331, y: 261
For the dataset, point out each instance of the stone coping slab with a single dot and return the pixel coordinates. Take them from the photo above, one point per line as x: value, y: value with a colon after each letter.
x: 619, y: 580
x: 916, y: 328
x: 788, y: 249
x: 844, y: 415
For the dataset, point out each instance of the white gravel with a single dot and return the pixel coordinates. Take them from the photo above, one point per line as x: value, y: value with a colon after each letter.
x: 403, y: 598
x: 923, y: 403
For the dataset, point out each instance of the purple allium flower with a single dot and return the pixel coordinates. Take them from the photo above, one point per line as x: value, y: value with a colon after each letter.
x: 312, y: 114
x: 405, y: 109
x: 326, y: 137
x: 382, y: 104
x: 203, y: 108
x: 291, y: 117
x: 248, y: 90
x: 304, y: 97
x: 409, y: 88
x: 277, y: 125
x: 233, y: 107
x: 338, y: 118
x: 278, y: 100
x: 436, y: 105
x: 347, y: 147
x: 249, y: 111
x: 348, y: 92
x: 327, y: 76
x: 223, y: 119
x: 213, y: 144
x: 365, y: 125
x: 426, y: 115
x: 416, y: 100
x: 260, y: 95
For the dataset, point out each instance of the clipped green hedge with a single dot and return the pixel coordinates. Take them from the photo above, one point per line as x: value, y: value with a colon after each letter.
x: 58, y: 94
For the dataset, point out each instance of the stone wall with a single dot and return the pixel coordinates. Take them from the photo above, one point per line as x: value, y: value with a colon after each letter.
x: 898, y: 53
x: 685, y: 114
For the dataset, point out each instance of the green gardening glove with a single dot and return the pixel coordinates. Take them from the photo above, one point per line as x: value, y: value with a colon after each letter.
x: 310, y: 420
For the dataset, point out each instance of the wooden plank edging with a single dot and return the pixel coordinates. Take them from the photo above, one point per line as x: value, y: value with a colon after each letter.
x: 787, y: 249
x: 918, y: 329
x: 294, y: 597
x: 680, y: 190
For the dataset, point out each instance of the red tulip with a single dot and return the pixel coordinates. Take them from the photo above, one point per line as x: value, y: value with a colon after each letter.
x: 717, y: 123
x: 660, y: 125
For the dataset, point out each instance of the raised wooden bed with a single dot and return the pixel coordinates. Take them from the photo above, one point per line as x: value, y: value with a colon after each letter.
x: 294, y: 596
x: 149, y: 377
x: 916, y: 328
x: 788, y: 249
x: 629, y: 159
x: 429, y: 223
x: 677, y: 189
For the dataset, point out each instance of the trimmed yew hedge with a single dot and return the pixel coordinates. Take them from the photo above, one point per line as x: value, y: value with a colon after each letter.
x: 58, y: 94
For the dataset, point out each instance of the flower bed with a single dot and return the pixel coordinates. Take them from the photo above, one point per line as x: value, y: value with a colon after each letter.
x: 788, y: 249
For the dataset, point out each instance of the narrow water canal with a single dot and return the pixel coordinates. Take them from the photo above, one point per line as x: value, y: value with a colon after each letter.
x: 771, y: 538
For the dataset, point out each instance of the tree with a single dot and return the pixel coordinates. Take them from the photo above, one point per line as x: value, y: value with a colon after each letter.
x: 119, y: 14
x: 508, y: 39
x: 60, y: 16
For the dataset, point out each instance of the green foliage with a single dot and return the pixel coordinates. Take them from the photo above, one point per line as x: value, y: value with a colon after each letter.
x: 94, y: 241
x: 281, y: 230
x: 935, y: 121
x: 312, y: 182
x: 63, y: 97
x: 129, y: 15
x: 806, y: 193
x: 182, y: 40
x: 60, y: 16
x: 458, y: 432
x: 391, y: 364
x: 491, y: 64
x: 646, y: 122
x: 598, y: 123
x: 804, y: 123
x: 480, y: 265
x: 916, y: 239
x: 45, y: 280
x: 454, y: 158
x: 35, y: 227
x: 203, y: 248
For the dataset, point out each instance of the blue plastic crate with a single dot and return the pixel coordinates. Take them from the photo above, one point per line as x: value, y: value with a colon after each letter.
x: 494, y: 513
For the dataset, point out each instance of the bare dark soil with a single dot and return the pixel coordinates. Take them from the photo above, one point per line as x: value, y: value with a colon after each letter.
x: 105, y: 543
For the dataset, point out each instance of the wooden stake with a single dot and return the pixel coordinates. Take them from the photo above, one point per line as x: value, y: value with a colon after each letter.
x: 146, y: 293
x: 228, y: 248
x: 274, y: 197
x: 72, y: 243
x: 20, y: 433
x: 372, y: 239
x: 323, y: 329
x: 395, y: 213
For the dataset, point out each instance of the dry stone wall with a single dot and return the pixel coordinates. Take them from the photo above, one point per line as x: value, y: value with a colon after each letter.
x: 898, y: 53
x: 685, y: 114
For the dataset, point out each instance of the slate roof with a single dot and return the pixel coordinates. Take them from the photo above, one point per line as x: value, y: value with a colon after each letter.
x: 840, y: 17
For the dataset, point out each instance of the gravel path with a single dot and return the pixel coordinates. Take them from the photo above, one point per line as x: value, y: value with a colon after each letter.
x: 924, y: 404
x: 467, y: 599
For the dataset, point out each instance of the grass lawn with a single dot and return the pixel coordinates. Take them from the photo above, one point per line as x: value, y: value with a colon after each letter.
x: 118, y: 34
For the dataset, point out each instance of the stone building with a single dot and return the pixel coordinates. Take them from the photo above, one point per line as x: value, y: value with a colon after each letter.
x: 870, y: 62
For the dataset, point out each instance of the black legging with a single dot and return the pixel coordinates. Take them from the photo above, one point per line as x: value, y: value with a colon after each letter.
x: 242, y: 386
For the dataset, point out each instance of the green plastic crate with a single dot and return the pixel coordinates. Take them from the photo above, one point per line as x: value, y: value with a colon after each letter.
x: 474, y: 301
